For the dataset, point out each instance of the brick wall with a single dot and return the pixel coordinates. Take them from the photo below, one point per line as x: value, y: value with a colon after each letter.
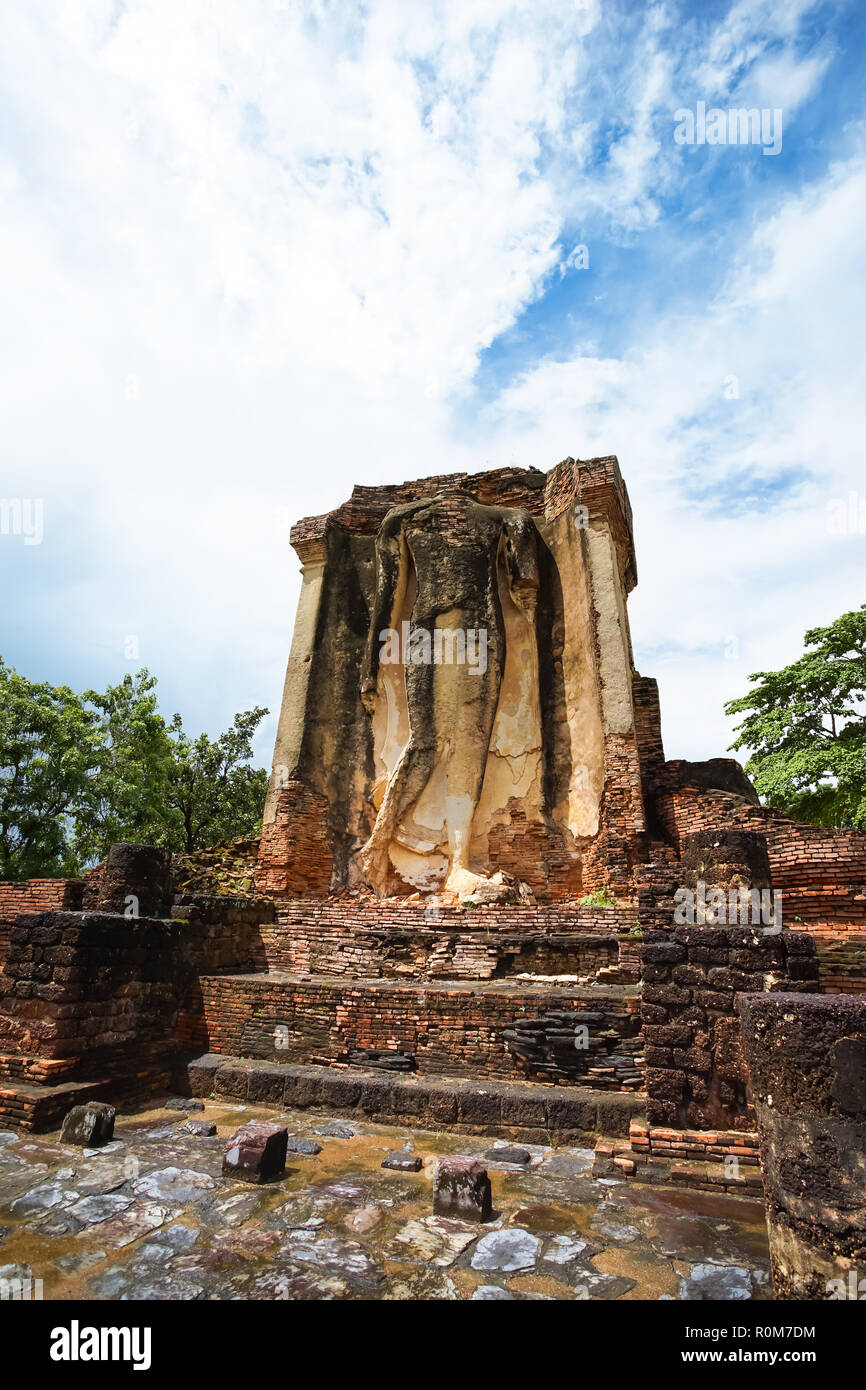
x: 317, y: 931
x: 621, y: 843
x: 295, y: 851
x: 841, y: 961
x: 428, y: 953
x: 648, y: 726
x: 696, y: 1077
x: 534, y: 853
x: 449, y: 1031
x: 821, y: 872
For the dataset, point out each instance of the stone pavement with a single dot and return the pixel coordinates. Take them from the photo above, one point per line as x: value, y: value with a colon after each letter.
x: 150, y: 1216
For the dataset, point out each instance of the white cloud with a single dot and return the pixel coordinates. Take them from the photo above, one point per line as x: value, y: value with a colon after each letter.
x: 722, y: 594
x: 249, y: 258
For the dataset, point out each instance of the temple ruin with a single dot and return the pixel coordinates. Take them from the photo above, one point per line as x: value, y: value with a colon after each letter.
x: 462, y: 911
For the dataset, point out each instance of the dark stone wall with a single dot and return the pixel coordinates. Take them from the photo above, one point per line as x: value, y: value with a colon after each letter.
x: 807, y: 1064
x: 696, y: 1074
x: 725, y: 860
x: 87, y: 991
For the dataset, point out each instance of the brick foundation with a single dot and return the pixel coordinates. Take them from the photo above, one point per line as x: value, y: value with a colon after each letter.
x: 536, y: 854
x: 346, y: 937
x: 711, y: 1162
x: 430, y: 954
x: 295, y: 851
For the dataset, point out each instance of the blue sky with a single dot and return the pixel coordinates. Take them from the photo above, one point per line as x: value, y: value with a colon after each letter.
x: 252, y: 256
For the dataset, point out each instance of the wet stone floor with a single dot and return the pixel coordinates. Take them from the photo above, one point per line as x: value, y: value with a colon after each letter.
x: 150, y: 1216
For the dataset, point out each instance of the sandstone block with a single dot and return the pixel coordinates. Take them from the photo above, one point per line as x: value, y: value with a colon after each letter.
x: 461, y: 1188
x: 256, y: 1152
x: 88, y: 1125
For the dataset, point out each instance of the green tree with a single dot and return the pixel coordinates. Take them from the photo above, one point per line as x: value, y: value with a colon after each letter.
x: 50, y: 745
x: 805, y: 727
x: 79, y: 772
x: 126, y: 796
x: 213, y: 793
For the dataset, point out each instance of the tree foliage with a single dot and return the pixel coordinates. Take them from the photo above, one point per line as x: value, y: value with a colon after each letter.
x: 79, y: 772
x: 214, y: 794
x: 125, y: 798
x: 805, y: 727
x: 50, y: 748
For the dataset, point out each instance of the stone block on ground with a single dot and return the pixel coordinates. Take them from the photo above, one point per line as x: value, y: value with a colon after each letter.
x: 89, y: 1125
x: 402, y: 1161
x: 203, y: 1129
x: 256, y: 1152
x: 509, y: 1153
x: 307, y: 1147
x: 461, y: 1188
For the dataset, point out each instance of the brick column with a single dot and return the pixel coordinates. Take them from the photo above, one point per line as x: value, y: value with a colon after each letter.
x: 139, y: 872
x: 696, y: 1075
x: 807, y: 1064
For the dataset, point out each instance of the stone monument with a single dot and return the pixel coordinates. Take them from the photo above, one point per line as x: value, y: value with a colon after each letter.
x: 458, y: 711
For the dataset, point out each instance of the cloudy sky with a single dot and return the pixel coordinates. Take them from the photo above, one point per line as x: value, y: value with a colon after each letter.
x: 255, y: 252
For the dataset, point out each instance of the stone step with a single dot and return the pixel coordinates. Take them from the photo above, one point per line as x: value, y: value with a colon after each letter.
x: 497, y: 1030
x: 712, y: 1177
x: 518, y: 1110
x: 404, y: 914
